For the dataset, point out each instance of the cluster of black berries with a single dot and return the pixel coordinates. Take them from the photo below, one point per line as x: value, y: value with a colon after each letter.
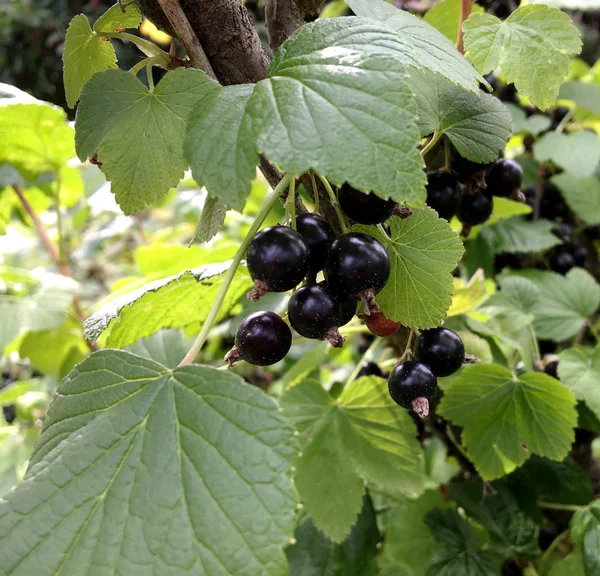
x: 413, y: 384
x: 468, y: 190
x: 355, y: 266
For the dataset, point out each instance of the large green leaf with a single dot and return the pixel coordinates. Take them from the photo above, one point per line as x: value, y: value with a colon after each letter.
x: 138, y: 134
x: 116, y: 18
x: 423, y: 251
x: 564, y: 302
x: 445, y: 17
x: 572, y: 565
x: 211, y: 219
x: 585, y: 533
x: 171, y: 302
x: 582, y: 195
x: 477, y: 124
x: 579, y: 369
x: 458, y: 553
x: 506, y: 418
x: 547, y: 37
x: 167, y: 347
x: 16, y: 445
x: 584, y: 94
x: 35, y: 138
x: 220, y: 145
x: 337, y: 100
x: 511, y: 531
x: 313, y: 554
x: 520, y: 235
x: 144, y: 470
x: 421, y: 45
x: 362, y: 436
x: 578, y: 152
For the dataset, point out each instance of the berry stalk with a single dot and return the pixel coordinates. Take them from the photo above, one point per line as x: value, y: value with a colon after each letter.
x: 268, y: 204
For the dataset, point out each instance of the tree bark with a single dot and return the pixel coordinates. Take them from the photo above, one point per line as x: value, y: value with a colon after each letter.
x: 284, y: 17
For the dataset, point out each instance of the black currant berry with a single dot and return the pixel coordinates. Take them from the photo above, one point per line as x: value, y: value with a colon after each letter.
x: 579, y: 254
x: 442, y: 350
x: 551, y: 368
x: 442, y: 193
x: 278, y: 260
x: 10, y: 413
x: 364, y: 208
x: 314, y: 312
x: 347, y: 309
x: 412, y: 385
x: 318, y: 235
x: 262, y: 339
x: 592, y: 232
x: 561, y: 260
x: 563, y: 231
x: 504, y: 178
x: 476, y: 208
x: 466, y: 169
x: 369, y: 369
x: 559, y: 113
x: 358, y: 266
x: 552, y: 205
x: 492, y: 80
x: 378, y: 324
x: 546, y: 536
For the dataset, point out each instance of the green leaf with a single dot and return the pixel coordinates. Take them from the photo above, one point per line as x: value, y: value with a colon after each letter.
x: 423, y: 251
x: 534, y: 124
x: 578, y: 152
x: 212, y: 217
x: 520, y: 235
x: 458, y: 552
x: 564, y: 303
x: 138, y: 134
x: 506, y: 419
x: 581, y: 194
x: 167, y: 347
x: 337, y: 102
x: 220, y: 145
x: 363, y: 436
x: 408, y: 541
x: 546, y: 35
x: 16, y: 446
x: 171, y: 302
x: 420, y: 44
x: 35, y: 138
x: 142, y: 470
x: 579, y: 370
x: 85, y: 54
x: 313, y: 554
x: 584, y: 94
x: 585, y: 533
x: 512, y: 533
x: 114, y: 18
x: 445, y: 17
x: 477, y: 124
x: 572, y: 565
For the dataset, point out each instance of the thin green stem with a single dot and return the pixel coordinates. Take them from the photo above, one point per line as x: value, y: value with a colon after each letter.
x: 536, y: 347
x: 557, y: 506
x: 366, y: 357
x: 563, y: 123
x: 456, y: 443
x: 291, y: 201
x: 545, y: 560
x: 154, y: 60
x: 147, y: 47
x: 447, y: 153
x: 430, y: 144
x: 149, y: 76
x: 334, y: 202
x: 382, y: 230
x: 315, y: 190
x: 268, y: 204
x: 407, y: 349
x: 62, y: 251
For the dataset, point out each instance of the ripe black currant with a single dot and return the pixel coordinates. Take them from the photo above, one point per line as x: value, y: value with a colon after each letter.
x: 278, y: 260
x: 559, y: 113
x: 262, y: 338
x: 579, y: 254
x: 504, y: 178
x: 412, y: 385
x: 314, y: 312
x: 551, y: 368
x: 475, y: 208
x: 10, y: 413
x: 364, y: 208
x: 563, y: 231
x: 561, y: 260
x: 592, y: 232
x: 318, y: 235
x: 442, y: 350
x: 369, y: 369
x: 359, y: 266
x: 466, y: 169
x: 443, y: 193
x: 378, y: 324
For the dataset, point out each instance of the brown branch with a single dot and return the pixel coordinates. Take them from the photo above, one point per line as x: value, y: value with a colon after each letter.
x: 52, y: 250
x: 466, y: 7
x: 284, y: 17
x: 186, y: 35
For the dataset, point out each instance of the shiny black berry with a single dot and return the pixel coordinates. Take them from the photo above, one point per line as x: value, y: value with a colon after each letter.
x: 476, y: 208
x: 413, y: 385
x: 580, y: 254
x: 561, y: 260
x: 318, y: 235
x: 358, y: 266
x: 551, y: 368
x: 364, y: 208
x: 442, y: 350
x: 504, y: 178
x: 262, y: 338
x: 443, y: 193
x: 313, y: 312
x: 278, y: 260
x: 466, y: 169
x: 369, y: 369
